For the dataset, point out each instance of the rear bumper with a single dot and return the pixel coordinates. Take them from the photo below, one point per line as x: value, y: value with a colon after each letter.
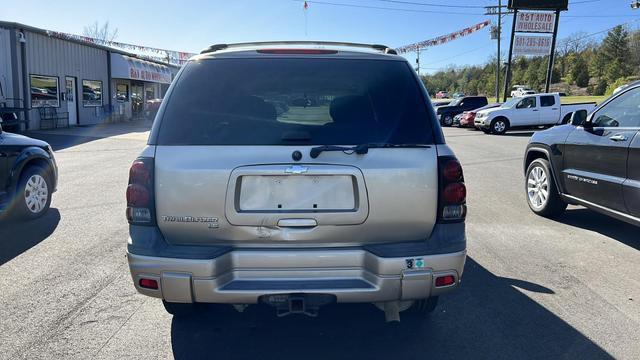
x: 224, y: 274
x: 481, y: 124
x: 242, y: 276
x: 466, y: 123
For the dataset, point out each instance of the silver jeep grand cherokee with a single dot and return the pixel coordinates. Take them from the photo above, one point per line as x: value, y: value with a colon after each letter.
x: 297, y: 174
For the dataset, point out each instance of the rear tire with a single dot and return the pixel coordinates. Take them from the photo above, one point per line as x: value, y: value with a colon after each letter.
x: 541, y: 190
x: 424, y: 307
x: 33, y: 194
x: 447, y: 120
x: 180, y: 309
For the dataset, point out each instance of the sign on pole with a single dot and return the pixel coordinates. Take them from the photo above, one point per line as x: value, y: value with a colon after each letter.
x: 532, y: 45
x: 537, y: 22
x: 539, y: 4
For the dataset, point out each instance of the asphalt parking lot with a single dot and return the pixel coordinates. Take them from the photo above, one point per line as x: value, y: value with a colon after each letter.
x: 532, y: 288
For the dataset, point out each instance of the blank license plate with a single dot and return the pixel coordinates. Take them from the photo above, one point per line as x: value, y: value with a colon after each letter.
x: 297, y: 193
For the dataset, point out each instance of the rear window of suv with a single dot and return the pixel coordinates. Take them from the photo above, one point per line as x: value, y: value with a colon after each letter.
x: 293, y: 101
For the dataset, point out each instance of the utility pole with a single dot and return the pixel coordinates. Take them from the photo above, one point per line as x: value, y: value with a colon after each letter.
x: 498, y: 62
x: 552, y: 55
x: 508, y: 74
x: 496, y: 33
x: 418, y: 60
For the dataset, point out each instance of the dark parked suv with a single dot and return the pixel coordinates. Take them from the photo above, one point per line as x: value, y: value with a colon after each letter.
x: 458, y: 106
x: 594, y: 162
x: 28, y: 176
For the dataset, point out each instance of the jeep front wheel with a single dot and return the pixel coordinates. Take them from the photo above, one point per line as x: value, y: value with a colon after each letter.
x: 542, y: 193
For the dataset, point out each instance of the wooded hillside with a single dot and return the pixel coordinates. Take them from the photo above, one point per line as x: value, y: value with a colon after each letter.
x: 583, y: 66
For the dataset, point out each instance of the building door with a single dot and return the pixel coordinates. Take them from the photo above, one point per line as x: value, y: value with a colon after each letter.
x: 137, y: 98
x: 72, y: 101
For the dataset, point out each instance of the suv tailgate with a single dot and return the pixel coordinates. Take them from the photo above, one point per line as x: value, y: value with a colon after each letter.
x: 213, y: 195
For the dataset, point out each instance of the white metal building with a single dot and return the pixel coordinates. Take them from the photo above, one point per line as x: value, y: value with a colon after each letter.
x: 87, y: 82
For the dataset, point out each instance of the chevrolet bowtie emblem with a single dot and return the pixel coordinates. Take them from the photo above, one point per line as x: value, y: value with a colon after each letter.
x: 296, y: 169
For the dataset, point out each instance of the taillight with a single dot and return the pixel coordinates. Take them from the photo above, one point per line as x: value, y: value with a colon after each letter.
x: 446, y: 280
x: 452, y: 205
x: 452, y: 171
x: 148, y: 284
x: 455, y: 193
x: 140, y: 205
x: 137, y: 195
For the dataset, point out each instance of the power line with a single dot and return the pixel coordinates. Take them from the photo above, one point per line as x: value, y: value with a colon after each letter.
x: 600, y: 32
x: 436, y: 5
x: 389, y: 8
x: 457, y: 55
x: 584, y: 2
x: 463, y: 6
x: 406, y: 2
x: 599, y: 16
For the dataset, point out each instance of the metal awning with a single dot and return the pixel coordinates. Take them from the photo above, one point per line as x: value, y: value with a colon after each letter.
x: 126, y: 67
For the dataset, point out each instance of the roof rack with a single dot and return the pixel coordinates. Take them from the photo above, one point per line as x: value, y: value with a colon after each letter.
x: 382, y: 48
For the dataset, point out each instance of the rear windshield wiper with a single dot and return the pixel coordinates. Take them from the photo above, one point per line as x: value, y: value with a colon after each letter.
x: 360, y: 149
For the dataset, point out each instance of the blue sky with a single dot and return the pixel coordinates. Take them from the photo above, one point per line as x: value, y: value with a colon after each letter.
x: 193, y: 25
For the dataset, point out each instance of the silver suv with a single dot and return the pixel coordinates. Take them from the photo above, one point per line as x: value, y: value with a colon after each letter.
x: 297, y: 175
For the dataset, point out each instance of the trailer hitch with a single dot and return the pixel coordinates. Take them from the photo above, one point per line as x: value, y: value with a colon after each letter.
x: 306, y: 304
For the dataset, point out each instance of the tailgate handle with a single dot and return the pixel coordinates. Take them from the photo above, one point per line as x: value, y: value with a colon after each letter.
x: 297, y: 223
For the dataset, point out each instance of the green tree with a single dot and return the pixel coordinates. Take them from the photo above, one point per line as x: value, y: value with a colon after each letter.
x: 580, y: 72
x: 598, y: 63
x: 615, y: 50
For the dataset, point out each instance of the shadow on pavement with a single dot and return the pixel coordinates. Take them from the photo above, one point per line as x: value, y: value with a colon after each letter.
x: 60, y: 142
x: 520, y: 133
x: 17, y: 237
x: 590, y: 220
x: 487, y: 318
x: 60, y: 139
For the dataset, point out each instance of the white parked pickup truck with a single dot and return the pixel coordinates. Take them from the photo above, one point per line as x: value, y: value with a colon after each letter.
x: 526, y: 112
x: 521, y: 90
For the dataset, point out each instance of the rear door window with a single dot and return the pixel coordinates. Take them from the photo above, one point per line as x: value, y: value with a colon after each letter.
x: 546, y: 101
x: 291, y: 101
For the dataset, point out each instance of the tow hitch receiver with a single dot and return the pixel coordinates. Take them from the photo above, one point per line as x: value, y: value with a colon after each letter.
x: 307, y: 304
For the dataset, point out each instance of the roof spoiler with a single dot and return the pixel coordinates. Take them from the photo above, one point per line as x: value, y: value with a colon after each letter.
x: 382, y: 48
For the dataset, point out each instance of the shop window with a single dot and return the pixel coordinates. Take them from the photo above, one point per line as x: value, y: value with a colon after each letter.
x: 44, y: 91
x: 122, y: 92
x: 91, y: 93
x: 150, y: 92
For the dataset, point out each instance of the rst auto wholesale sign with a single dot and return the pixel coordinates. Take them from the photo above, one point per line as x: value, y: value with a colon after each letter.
x: 538, y: 22
x: 532, y: 45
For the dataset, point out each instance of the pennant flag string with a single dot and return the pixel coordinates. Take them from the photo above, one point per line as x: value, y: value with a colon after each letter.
x: 443, y: 39
x: 170, y: 56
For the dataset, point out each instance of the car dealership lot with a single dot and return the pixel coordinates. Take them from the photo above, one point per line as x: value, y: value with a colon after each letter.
x: 532, y: 287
